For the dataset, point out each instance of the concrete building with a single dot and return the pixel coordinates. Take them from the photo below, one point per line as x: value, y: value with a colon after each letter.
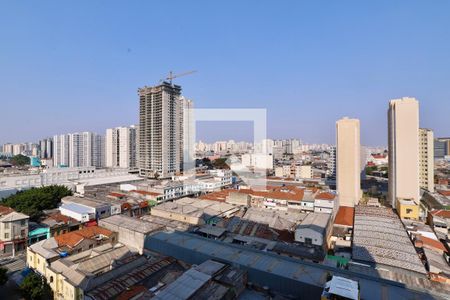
x: 121, y: 147
x: 313, y: 230
x: 305, y: 172
x: 403, y: 134
x: 441, y: 148
x: 131, y: 231
x: 193, y: 211
x: 188, y: 135
x: 348, y: 162
x: 160, y: 130
x: 258, y: 161
x: 83, y: 149
x: 46, y: 148
x: 13, y: 231
x: 41, y: 254
x: 426, y: 159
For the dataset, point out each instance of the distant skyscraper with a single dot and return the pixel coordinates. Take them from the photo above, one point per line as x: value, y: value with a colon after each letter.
x: 121, y: 144
x: 403, y: 139
x: 160, y: 130
x: 348, y: 161
x: 426, y: 159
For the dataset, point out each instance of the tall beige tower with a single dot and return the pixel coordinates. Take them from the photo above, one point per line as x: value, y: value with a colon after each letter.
x: 426, y: 159
x: 403, y: 135
x: 348, y: 161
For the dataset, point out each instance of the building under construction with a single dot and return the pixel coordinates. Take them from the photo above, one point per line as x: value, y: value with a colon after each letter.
x: 160, y: 130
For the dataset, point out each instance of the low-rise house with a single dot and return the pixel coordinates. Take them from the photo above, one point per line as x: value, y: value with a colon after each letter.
x: 325, y: 202
x: 59, y: 223
x: 100, y: 209
x: 438, y: 266
x: 407, y: 209
x: 41, y: 254
x: 439, y: 220
x: 37, y: 232
x: 194, y: 211
x: 131, y: 231
x: 343, y: 228
x: 313, y: 230
x: 13, y: 231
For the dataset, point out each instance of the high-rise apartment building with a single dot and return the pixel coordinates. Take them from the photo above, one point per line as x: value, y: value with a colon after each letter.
x: 121, y: 147
x: 46, y: 148
x: 160, y: 130
x: 426, y: 159
x: 84, y: 149
x: 403, y: 140
x: 61, y: 150
x: 348, y: 161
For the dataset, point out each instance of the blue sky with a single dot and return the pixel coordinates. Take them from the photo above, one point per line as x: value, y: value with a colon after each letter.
x: 71, y: 66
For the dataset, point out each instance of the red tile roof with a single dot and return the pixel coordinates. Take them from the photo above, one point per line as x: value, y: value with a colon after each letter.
x: 60, y: 218
x: 72, y: 238
x: 288, y: 192
x: 432, y: 243
x: 146, y: 193
x: 444, y: 192
x: 441, y: 213
x: 117, y: 195
x: 325, y: 196
x: 4, y: 210
x: 345, y: 216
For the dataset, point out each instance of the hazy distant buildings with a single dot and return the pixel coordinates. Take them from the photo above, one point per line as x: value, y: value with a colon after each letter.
x: 348, y: 162
x: 426, y: 159
x: 160, y: 130
x: 441, y: 147
x: 258, y: 161
x: 46, y: 148
x: 121, y: 147
x: 83, y: 149
x: 403, y: 140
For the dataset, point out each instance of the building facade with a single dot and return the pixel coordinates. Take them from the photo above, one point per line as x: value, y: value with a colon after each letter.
x: 81, y: 149
x: 121, y: 147
x: 426, y: 159
x: 348, y: 162
x: 403, y: 140
x: 160, y: 130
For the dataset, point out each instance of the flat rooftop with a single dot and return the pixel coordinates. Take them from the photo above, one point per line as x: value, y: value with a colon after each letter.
x: 380, y: 238
x: 138, y: 225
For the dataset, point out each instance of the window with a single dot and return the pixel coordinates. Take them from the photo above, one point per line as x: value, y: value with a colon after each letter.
x: 409, y: 210
x: 7, y: 225
x: 308, y: 241
x: 51, y: 279
x: 22, y: 222
x: 6, y: 235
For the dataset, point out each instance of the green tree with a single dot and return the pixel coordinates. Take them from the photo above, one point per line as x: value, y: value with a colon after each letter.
x: 35, y: 287
x: 3, y: 276
x: 33, y: 201
x: 20, y: 160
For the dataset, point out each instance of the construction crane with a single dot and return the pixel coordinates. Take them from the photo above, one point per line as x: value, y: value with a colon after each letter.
x: 172, y: 76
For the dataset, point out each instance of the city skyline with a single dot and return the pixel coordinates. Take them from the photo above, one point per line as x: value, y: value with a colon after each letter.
x: 327, y: 66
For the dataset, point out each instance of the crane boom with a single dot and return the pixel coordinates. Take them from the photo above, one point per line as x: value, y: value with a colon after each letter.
x: 172, y: 76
